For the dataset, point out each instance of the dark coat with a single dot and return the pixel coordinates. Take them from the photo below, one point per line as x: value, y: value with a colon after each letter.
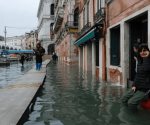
x: 22, y: 59
x: 142, y: 78
x: 54, y: 57
x: 39, y: 52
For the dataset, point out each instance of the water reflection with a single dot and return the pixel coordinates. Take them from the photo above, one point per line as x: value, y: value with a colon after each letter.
x: 10, y: 73
x: 69, y: 99
x: 22, y: 68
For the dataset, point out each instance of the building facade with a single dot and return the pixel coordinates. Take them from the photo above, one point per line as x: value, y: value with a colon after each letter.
x: 127, y: 24
x: 27, y: 41
x: 91, y: 39
x: 65, y: 29
x: 30, y: 40
x: 45, y: 20
x: 99, y: 35
x: 14, y: 42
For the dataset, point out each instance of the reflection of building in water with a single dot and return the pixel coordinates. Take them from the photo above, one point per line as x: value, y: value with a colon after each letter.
x: 109, y: 107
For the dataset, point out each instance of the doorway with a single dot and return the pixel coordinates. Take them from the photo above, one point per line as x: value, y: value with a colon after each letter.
x: 138, y: 33
x: 51, y: 49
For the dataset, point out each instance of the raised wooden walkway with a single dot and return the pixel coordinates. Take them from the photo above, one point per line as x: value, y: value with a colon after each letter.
x: 16, y: 98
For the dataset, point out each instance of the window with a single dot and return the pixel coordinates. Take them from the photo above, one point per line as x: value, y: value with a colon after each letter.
x: 115, y: 46
x: 52, y: 9
x: 76, y: 16
x: 100, y: 4
x: 51, y: 26
x: 83, y: 16
x: 88, y: 11
x: 108, y: 1
x: 86, y: 14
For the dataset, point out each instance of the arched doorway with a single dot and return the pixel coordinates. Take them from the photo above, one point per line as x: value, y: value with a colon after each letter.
x: 76, y: 16
x: 3, y: 47
x: 51, y: 49
x: 7, y: 47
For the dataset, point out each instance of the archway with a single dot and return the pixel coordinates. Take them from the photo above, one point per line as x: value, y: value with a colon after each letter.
x: 3, y: 47
x: 51, y: 49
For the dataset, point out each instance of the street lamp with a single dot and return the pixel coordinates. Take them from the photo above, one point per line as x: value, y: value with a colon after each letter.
x: 5, y: 37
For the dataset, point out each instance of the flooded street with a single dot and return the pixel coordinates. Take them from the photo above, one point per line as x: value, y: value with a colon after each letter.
x: 69, y: 99
x: 9, y: 74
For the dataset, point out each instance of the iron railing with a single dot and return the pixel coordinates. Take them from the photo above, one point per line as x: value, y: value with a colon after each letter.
x: 72, y: 24
x: 85, y: 28
x: 100, y: 14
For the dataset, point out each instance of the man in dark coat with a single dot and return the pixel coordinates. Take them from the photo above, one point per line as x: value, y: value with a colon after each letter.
x: 22, y: 59
x: 141, y: 86
x: 39, y: 52
x: 54, y: 57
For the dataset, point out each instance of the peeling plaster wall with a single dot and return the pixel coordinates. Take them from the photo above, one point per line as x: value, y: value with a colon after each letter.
x: 124, y: 8
x: 124, y: 11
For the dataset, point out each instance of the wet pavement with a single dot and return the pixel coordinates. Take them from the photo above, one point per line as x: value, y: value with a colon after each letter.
x: 16, y: 97
x: 69, y: 99
x: 9, y: 74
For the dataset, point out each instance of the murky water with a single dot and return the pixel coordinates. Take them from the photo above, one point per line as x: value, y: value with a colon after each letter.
x: 9, y: 74
x: 68, y: 99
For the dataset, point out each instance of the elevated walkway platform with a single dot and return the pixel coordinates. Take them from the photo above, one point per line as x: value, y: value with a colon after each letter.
x: 16, y: 98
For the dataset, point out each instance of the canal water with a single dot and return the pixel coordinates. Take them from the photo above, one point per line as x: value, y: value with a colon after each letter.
x: 9, y: 74
x: 68, y: 98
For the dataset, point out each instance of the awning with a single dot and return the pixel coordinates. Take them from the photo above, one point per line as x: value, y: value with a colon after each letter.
x: 20, y: 51
x: 86, y: 37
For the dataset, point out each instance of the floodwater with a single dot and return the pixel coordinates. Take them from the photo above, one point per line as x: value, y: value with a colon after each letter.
x: 69, y: 99
x: 9, y: 74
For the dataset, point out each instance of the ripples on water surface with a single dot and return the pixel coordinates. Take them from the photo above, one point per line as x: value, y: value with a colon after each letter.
x: 9, y: 74
x: 68, y: 99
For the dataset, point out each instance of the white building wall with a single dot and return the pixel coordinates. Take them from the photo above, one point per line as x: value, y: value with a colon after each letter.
x: 14, y: 42
x: 44, y: 21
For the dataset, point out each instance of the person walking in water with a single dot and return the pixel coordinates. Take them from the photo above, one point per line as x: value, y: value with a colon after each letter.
x: 22, y: 59
x: 39, y: 52
x: 54, y: 57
